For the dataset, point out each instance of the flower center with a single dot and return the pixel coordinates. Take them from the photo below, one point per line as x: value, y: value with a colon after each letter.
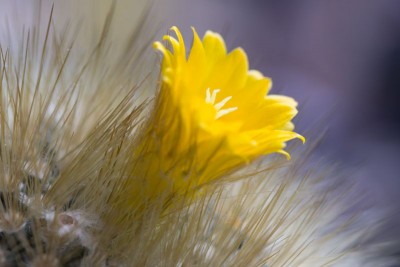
x: 210, y: 99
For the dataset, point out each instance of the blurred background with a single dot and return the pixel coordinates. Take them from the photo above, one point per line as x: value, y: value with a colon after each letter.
x: 340, y: 60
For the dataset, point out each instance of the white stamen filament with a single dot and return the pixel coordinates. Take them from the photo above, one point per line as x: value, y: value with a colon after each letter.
x: 223, y: 112
x: 219, y: 105
x: 210, y: 99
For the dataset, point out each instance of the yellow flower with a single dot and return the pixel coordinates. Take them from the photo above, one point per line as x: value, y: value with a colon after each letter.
x: 217, y: 96
x: 212, y: 116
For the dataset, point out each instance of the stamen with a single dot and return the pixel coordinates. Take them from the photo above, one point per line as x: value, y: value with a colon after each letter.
x: 208, y: 96
x: 210, y: 99
x: 223, y: 112
x: 219, y: 105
